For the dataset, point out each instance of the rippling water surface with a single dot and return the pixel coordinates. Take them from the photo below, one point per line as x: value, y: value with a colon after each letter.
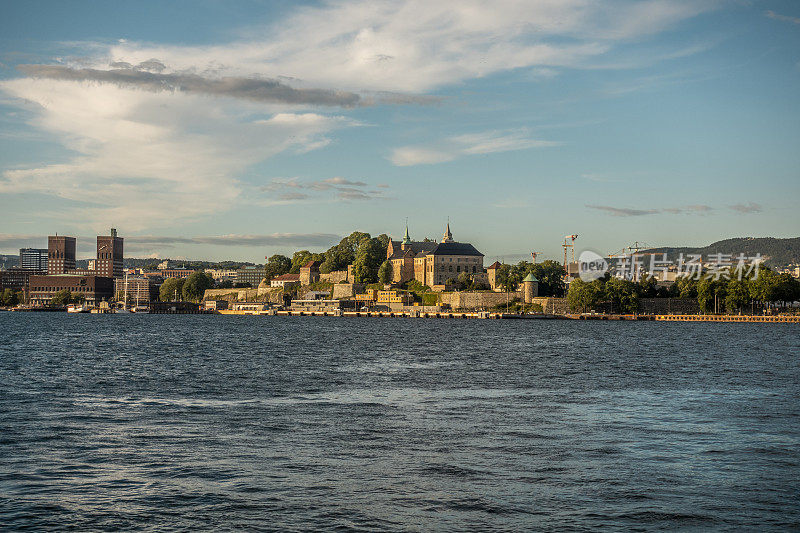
x: 278, y: 423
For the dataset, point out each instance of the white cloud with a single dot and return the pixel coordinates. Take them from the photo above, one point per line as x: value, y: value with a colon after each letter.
x: 144, y: 157
x: 417, y: 45
x: 488, y: 142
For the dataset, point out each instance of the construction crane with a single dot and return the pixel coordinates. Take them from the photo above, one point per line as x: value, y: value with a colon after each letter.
x: 569, y: 242
x: 628, y: 250
x: 534, y: 255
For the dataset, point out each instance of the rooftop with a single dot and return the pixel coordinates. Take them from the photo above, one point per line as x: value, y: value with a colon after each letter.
x: 455, y: 248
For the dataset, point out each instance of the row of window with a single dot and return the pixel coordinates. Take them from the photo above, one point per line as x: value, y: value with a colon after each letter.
x: 56, y: 289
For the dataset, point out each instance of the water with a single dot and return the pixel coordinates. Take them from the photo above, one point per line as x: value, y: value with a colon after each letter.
x: 280, y: 423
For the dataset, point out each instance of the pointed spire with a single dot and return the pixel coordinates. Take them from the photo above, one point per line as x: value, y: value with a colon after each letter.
x: 407, y: 238
x: 447, y: 237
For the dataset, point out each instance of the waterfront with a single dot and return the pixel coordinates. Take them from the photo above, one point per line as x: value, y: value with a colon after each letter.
x: 196, y: 421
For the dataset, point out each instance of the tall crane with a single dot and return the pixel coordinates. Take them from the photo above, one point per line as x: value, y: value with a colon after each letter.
x: 534, y: 255
x: 569, y: 242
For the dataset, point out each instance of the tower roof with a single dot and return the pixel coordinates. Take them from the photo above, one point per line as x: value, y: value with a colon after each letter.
x: 406, y: 238
x: 447, y: 237
x: 455, y: 248
x: 530, y: 277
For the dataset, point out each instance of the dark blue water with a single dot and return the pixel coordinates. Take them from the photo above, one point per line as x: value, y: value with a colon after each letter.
x: 273, y: 423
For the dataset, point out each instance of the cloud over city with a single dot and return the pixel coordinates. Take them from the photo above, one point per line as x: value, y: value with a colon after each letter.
x: 337, y: 188
x: 451, y: 148
x: 162, y: 132
x: 631, y: 212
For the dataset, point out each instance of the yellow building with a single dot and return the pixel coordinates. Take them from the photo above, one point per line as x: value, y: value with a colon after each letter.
x: 433, y: 263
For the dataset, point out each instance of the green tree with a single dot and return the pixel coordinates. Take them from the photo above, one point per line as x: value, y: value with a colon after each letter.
x: 623, y: 295
x: 551, y: 278
x: 385, y: 273
x: 583, y: 296
x: 787, y: 289
x: 302, y: 257
x: 277, y: 265
x: 195, y: 286
x: 369, y: 256
x: 171, y: 289
x: 711, y: 291
x: 338, y: 257
x: 464, y: 281
x: 9, y: 298
x: 737, y: 294
x: 648, y: 287
x: 686, y: 287
x: 507, y: 278
x: 225, y: 284
x: 62, y: 297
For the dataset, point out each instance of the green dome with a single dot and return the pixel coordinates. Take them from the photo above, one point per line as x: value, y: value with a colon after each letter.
x: 530, y: 277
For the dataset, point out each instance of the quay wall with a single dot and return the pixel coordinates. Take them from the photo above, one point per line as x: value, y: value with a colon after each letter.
x: 477, y: 300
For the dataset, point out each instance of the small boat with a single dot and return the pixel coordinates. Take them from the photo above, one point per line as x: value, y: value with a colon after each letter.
x: 72, y: 308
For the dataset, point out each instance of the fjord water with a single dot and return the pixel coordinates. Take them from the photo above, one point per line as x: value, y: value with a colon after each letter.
x: 280, y: 423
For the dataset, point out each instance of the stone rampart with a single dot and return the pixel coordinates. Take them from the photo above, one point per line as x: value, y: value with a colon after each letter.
x: 477, y: 300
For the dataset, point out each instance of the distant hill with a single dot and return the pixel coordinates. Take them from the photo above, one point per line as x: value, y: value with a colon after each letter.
x: 777, y: 252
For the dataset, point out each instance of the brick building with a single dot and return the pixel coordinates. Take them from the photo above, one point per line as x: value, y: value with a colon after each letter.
x: 109, y: 255
x: 94, y: 289
x: 60, y: 254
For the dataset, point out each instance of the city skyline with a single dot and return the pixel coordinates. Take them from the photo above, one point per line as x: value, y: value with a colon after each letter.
x: 289, y: 126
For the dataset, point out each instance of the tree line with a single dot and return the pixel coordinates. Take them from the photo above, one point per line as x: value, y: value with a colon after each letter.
x: 364, y: 252
x: 726, y: 293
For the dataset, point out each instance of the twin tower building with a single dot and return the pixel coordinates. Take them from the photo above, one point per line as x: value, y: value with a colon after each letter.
x: 61, y: 256
x: 95, y: 283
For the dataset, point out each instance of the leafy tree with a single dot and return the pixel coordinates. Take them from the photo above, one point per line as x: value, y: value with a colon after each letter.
x: 195, y: 286
x: 171, y: 289
x: 62, y: 297
x: 277, y: 265
x: 385, y: 273
x: 302, y: 257
x: 582, y: 295
x: 648, y: 287
x: 738, y: 294
x: 369, y: 256
x: 707, y: 290
x: 338, y: 257
x: 9, y: 298
x: 787, y: 289
x: 225, y: 284
x: 507, y: 278
x: 686, y: 287
x: 622, y: 293
x: 464, y: 281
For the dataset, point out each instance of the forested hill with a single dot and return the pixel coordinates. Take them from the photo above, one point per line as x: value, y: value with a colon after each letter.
x: 778, y: 252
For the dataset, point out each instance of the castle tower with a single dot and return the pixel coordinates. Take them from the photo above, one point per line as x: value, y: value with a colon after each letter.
x: 447, y: 237
x: 406, y: 242
x: 530, y: 288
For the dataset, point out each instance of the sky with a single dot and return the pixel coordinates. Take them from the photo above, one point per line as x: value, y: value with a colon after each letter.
x: 212, y: 129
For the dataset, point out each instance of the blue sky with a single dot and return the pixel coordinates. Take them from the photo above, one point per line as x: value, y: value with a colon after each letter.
x: 212, y: 129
